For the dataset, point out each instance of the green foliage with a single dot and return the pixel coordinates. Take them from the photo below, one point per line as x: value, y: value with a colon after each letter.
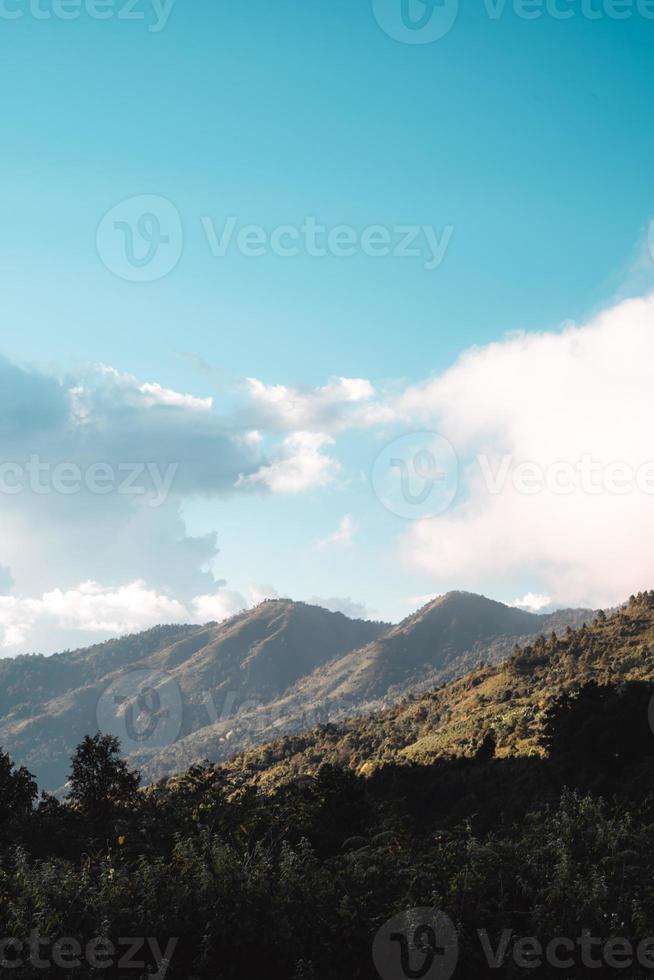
x: 291, y: 877
x: 100, y: 781
x: 17, y: 794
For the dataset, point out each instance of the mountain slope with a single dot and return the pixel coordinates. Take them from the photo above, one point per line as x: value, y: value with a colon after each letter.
x: 48, y: 704
x: 508, y: 701
x: 447, y: 636
x: 443, y: 640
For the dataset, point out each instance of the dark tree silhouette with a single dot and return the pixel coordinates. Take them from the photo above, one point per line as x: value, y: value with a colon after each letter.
x: 100, y: 781
x: 18, y: 791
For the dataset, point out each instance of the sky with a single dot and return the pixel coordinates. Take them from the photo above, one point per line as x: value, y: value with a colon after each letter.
x: 347, y: 302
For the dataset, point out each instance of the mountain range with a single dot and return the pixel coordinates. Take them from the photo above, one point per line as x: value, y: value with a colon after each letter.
x: 281, y: 668
x: 501, y: 708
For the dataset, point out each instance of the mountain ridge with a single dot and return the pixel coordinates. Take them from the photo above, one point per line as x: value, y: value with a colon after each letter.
x: 280, y: 667
x: 507, y: 702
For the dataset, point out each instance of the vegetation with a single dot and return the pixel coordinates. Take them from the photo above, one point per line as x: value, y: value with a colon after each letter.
x: 275, y: 669
x: 540, y: 822
x: 509, y: 700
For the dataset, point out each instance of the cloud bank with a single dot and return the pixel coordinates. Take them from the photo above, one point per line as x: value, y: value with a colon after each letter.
x: 547, y: 399
x: 526, y: 405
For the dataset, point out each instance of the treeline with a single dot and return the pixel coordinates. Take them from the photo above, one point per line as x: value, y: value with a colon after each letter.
x: 215, y: 878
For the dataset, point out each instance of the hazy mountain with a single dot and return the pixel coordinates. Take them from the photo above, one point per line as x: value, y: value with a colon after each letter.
x: 47, y: 704
x: 214, y: 690
x: 507, y: 701
x: 447, y: 636
x: 443, y: 640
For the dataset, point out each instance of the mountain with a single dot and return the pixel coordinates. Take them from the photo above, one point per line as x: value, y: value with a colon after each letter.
x: 507, y: 703
x: 480, y: 822
x: 47, y: 704
x: 211, y: 691
x: 444, y: 639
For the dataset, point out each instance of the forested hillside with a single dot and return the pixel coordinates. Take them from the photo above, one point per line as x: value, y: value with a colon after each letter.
x: 279, y: 668
x: 508, y: 700
x: 516, y: 801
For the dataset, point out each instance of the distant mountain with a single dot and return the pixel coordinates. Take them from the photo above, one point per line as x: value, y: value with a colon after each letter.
x: 506, y: 703
x: 282, y: 667
x: 47, y: 704
x: 443, y: 640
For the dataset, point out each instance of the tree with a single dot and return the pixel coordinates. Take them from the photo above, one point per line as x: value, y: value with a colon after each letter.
x: 100, y: 781
x: 18, y: 792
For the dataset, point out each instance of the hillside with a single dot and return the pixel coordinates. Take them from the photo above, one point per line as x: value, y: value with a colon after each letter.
x: 446, y: 638
x: 508, y: 700
x: 48, y: 704
x: 511, y: 805
x: 280, y: 668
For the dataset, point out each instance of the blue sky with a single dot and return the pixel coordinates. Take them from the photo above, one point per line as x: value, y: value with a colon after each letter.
x: 531, y: 140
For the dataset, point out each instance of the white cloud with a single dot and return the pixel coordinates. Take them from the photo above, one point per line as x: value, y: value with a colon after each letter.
x: 91, y: 612
x: 532, y: 602
x: 298, y: 465
x: 349, y: 607
x: 544, y: 399
x: 253, y: 438
x: 217, y: 606
x: 535, y: 398
x: 259, y: 593
x: 148, y: 394
x: 340, y: 404
x: 418, y: 601
x: 89, y: 608
x: 51, y: 542
x: 343, y: 535
x: 154, y: 394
